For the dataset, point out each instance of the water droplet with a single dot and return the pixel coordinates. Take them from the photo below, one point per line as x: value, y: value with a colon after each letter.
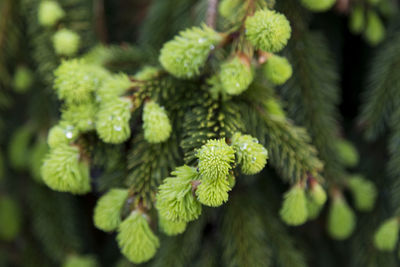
x: 264, y: 151
x: 212, y: 47
x: 117, y: 128
x: 69, y: 135
x: 237, y: 84
x: 202, y: 40
x: 253, y: 159
x: 244, y: 146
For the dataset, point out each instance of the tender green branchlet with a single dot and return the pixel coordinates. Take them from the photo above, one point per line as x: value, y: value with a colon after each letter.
x: 171, y: 228
x: 277, y: 70
x: 61, y: 134
x: 231, y: 9
x: 213, y: 192
x: 347, y: 153
x: 81, y: 116
x: 375, y: 30
x: 215, y: 159
x: 387, y: 235
x: 268, y: 30
x: 75, y: 81
x: 316, y: 199
x: 114, y: 86
x: 107, y: 213
x: 156, y: 125
x: 251, y: 155
x: 10, y: 218
x: 18, y: 145
x: 64, y: 171
x: 236, y: 75
x: 50, y: 12
x: 364, y: 192
x: 175, y: 200
x: 112, y: 122
x: 318, y: 5
x: 294, y: 208
x: 341, y: 219
x: 135, y: 238
x: 313, y: 208
x: 66, y: 42
x: 187, y: 53
x: 38, y: 154
x: 357, y: 19
x: 317, y: 193
x: 80, y: 261
x: 147, y: 73
x: 23, y: 79
x: 273, y: 107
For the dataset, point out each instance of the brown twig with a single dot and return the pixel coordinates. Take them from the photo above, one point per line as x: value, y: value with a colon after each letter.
x: 100, y: 25
x: 211, y: 19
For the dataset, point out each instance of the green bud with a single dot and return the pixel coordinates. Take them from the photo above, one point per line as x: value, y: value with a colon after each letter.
x: 341, y: 219
x: 37, y: 156
x: 249, y: 153
x: 135, y: 238
x: 313, y: 208
x: 171, y: 228
x: 114, y: 86
x: 274, y: 108
x: 317, y: 193
x: 277, y: 70
x: 76, y: 81
x: 23, y: 79
x: 18, y: 147
x: 147, y: 73
x: 81, y: 116
x: 364, y: 192
x: 156, y: 125
x: 112, y: 123
x: 231, y: 180
x: 294, y: 208
x: 187, y: 53
x: 107, y: 213
x: 175, y: 200
x: 10, y: 218
x: 387, y: 235
x: 347, y: 153
x: 357, y: 20
x: 50, y: 12
x: 375, y: 30
x: 268, y: 30
x: 213, y: 192
x: 215, y: 159
x: 231, y: 9
x: 61, y: 134
x: 318, y: 5
x: 236, y: 75
x: 66, y: 42
x: 63, y: 170
x: 80, y: 261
